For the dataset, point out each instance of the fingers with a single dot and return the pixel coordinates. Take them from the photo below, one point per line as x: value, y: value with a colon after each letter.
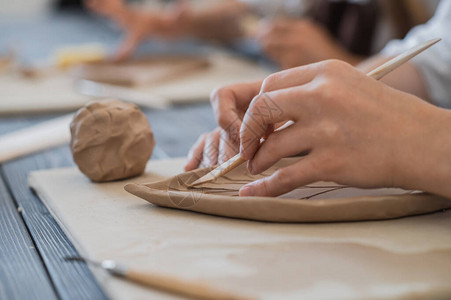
x: 195, y: 154
x: 286, y: 142
x: 284, y: 180
x: 260, y: 116
x: 286, y: 58
x: 204, y: 153
x: 229, y: 104
x: 227, y: 147
x: 265, y: 111
x: 276, y: 42
x: 291, y: 77
x: 211, y: 149
x: 279, y: 50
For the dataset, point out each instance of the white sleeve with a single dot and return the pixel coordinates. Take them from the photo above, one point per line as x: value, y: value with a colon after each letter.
x: 435, y: 63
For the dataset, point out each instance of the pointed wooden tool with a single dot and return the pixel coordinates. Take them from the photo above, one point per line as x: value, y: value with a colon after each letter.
x: 377, y: 74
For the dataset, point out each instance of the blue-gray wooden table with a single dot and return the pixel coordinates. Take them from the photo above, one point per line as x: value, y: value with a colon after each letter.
x: 32, y: 245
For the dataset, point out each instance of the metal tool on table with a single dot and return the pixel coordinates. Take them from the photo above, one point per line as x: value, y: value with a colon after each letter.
x: 377, y: 74
x: 188, y: 288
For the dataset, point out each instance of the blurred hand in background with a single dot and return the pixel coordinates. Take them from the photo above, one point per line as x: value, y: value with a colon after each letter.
x: 137, y: 25
x: 219, y: 22
x: 291, y: 43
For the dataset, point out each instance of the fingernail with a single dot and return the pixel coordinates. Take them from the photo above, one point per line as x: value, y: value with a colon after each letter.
x: 247, y: 190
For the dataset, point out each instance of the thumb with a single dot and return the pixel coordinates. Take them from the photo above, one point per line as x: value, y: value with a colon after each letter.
x: 283, y: 180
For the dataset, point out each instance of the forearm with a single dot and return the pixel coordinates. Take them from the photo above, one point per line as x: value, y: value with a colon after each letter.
x: 406, y: 78
x: 423, y: 154
x: 439, y: 168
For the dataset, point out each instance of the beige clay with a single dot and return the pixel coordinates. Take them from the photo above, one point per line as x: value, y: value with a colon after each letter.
x: 317, y: 202
x: 111, y: 140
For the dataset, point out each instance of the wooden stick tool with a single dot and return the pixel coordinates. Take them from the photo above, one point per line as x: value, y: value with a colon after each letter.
x: 188, y: 288
x: 377, y: 74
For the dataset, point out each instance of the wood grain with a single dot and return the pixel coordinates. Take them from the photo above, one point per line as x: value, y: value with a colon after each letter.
x: 22, y: 274
x: 70, y: 281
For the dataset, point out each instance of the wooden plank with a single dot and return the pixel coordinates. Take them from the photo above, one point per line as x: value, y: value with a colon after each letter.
x: 72, y: 281
x: 22, y: 274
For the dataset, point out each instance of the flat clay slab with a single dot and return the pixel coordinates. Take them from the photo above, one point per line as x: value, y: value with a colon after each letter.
x: 188, y: 85
x: 318, y: 202
x: 144, y: 71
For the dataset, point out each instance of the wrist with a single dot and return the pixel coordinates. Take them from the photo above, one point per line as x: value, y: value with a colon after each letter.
x: 425, y: 160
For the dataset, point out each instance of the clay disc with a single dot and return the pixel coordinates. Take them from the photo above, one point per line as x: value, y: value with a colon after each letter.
x: 319, y: 202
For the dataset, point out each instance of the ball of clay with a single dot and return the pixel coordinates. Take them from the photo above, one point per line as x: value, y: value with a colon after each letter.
x: 111, y: 140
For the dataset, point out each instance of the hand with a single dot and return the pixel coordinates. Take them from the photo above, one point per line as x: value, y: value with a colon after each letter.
x: 210, y: 149
x: 356, y: 131
x: 229, y: 105
x: 137, y: 25
x: 292, y: 43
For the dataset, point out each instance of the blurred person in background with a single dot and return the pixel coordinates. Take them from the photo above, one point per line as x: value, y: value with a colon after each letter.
x: 290, y: 32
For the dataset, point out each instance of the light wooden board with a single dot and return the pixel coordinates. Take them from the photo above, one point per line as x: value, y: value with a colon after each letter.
x: 223, y: 69
x: 52, y: 93
x: 386, y: 259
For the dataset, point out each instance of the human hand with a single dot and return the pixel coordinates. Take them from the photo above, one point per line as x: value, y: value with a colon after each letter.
x: 210, y: 149
x: 356, y: 131
x: 229, y: 105
x: 292, y: 43
x: 137, y: 25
